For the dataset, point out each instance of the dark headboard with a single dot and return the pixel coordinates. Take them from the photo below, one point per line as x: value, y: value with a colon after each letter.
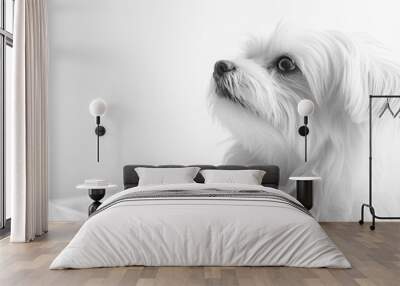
x: 271, y: 177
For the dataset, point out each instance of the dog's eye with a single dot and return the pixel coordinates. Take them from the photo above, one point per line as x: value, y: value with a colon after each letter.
x: 285, y: 64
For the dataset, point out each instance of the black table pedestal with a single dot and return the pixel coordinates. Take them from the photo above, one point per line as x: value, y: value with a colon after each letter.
x: 304, y: 193
x: 96, y: 195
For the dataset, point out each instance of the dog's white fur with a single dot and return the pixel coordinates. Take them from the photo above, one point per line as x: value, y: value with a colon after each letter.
x: 337, y: 72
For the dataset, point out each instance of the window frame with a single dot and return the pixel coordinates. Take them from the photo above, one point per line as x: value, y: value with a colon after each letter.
x: 6, y: 39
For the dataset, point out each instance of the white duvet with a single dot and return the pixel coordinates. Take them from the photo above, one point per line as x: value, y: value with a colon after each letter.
x: 193, y: 231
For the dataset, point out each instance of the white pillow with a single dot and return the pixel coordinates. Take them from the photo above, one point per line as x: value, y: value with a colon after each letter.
x: 248, y: 177
x: 164, y: 176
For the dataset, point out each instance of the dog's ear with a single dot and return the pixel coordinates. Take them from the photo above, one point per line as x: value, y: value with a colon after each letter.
x: 383, y: 70
x: 343, y: 71
x: 370, y: 69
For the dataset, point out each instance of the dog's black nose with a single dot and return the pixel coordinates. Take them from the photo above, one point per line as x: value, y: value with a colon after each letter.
x: 222, y: 67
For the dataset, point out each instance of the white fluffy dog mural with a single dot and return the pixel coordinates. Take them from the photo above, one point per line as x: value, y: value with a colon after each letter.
x: 255, y: 96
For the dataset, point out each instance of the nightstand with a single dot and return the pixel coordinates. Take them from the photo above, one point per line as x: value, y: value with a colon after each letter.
x: 304, y: 190
x: 96, y: 193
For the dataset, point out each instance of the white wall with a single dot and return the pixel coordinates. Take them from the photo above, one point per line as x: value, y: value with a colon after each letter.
x: 151, y: 60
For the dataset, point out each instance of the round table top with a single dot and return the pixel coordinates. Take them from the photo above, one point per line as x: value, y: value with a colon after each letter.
x: 305, y: 178
x: 92, y: 187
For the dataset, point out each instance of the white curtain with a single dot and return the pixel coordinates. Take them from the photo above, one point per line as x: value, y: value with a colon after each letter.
x: 27, y: 122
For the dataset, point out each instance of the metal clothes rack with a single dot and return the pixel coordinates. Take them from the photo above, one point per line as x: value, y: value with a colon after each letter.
x: 370, y: 203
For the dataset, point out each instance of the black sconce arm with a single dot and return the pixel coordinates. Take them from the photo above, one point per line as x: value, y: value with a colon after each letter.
x: 304, y: 131
x: 100, y: 131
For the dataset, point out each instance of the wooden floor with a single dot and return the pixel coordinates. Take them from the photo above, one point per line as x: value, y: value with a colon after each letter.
x: 375, y: 257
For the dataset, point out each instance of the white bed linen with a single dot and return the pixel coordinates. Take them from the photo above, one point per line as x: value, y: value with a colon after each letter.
x: 223, y: 232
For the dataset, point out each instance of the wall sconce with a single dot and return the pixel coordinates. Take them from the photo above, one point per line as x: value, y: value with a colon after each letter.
x: 305, y: 108
x: 98, y: 108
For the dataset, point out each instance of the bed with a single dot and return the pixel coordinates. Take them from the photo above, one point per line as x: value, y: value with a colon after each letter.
x: 198, y: 224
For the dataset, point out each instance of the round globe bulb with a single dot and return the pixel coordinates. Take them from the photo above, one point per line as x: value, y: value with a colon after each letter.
x: 305, y: 107
x: 98, y: 107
